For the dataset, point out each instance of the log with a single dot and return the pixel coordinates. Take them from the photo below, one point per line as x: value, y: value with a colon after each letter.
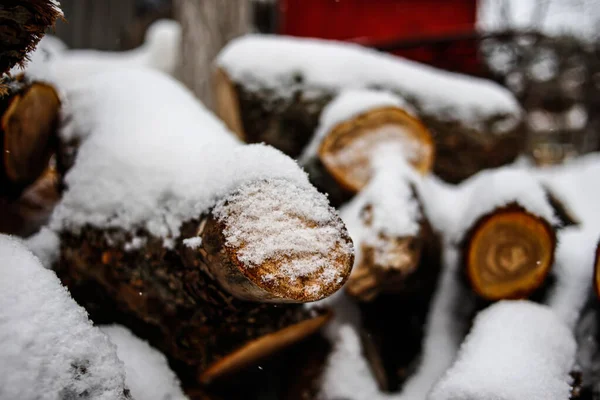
x: 24, y: 24
x: 510, y: 241
x: 354, y: 128
x: 396, y: 270
x: 28, y: 142
x: 277, y: 99
x: 214, y: 251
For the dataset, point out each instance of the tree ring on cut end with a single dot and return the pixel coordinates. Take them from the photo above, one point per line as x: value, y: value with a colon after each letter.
x: 227, y: 103
x: 350, y: 147
x: 306, y: 256
x: 509, y: 253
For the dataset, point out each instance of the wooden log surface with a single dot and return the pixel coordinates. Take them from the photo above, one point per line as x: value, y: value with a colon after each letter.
x: 23, y: 25
x: 283, y: 109
x: 508, y: 253
x: 29, y: 180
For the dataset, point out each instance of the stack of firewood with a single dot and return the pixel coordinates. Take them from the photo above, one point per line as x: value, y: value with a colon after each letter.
x: 210, y: 248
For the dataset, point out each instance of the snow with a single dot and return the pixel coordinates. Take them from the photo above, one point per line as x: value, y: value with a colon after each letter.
x: 394, y: 211
x: 349, y: 104
x: 347, y: 374
x: 193, y: 243
x: 159, y: 51
x: 151, y: 164
x: 516, y: 350
x: 259, y: 223
x: 273, y: 62
x: 147, y: 372
x: 491, y: 189
x: 48, y: 347
x: 45, y: 244
x: 574, y: 270
x: 579, y: 18
x: 572, y: 183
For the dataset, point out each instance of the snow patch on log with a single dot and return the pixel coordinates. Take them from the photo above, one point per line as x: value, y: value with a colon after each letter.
x: 349, y: 104
x: 573, y: 184
x: 45, y: 245
x: 263, y: 223
x: 574, y: 268
x: 147, y: 371
x: 275, y: 62
x: 48, y: 347
x: 516, y: 350
x: 151, y: 156
x: 393, y: 209
x: 492, y: 189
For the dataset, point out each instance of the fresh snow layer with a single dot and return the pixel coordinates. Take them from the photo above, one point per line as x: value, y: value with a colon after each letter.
x: 48, y: 347
x: 147, y: 372
x: 151, y: 156
x: 349, y: 104
x: 278, y: 220
x: 574, y: 270
x: 394, y: 210
x: 516, y: 350
x: 45, y: 244
x: 496, y: 188
x: 274, y: 61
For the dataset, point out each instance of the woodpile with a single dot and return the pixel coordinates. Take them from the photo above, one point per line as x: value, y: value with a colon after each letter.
x: 280, y: 103
x: 212, y: 305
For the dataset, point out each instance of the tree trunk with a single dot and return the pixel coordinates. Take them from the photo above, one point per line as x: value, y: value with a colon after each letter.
x: 207, y: 26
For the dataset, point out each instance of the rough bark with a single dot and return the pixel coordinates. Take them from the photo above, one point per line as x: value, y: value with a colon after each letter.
x: 393, y: 323
x: 288, y: 122
x: 193, y: 319
x: 28, y: 144
x: 207, y: 26
x: 508, y: 253
x: 23, y: 25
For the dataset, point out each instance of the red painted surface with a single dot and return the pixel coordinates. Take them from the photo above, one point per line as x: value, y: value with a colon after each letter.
x: 421, y: 24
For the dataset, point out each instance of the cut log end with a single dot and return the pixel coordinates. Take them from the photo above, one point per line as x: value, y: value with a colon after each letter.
x: 29, y: 128
x: 384, y: 268
x: 350, y: 148
x: 227, y: 105
x: 301, y: 259
x: 263, y: 347
x: 509, y: 253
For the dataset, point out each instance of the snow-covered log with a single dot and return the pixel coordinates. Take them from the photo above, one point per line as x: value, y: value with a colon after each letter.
x: 272, y: 89
x: 507, y: 235
x: 171, y: 216
x: 147, y: 371
x: 25, y: 23
x: 28, y: 140
x: 396, y: 267
x: 516, y: 350
x: 48, y: 347
x: 353, y: 128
